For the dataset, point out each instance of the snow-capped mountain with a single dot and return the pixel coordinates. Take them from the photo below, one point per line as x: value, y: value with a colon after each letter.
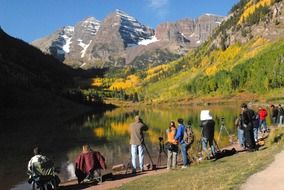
x: 70, y: 42
x: 120, y: 40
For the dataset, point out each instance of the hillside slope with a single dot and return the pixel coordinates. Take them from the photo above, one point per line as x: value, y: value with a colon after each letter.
x: 244, y: 56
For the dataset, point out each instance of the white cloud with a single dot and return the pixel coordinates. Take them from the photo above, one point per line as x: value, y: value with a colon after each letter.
x: 160, y: 7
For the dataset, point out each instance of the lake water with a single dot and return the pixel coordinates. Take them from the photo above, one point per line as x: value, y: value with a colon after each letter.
x: 105, y: 132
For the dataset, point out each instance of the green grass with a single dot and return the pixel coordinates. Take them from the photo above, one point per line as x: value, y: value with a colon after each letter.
x: 226, y: 173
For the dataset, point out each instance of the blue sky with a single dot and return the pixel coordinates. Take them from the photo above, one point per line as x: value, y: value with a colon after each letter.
x: 33, y: 19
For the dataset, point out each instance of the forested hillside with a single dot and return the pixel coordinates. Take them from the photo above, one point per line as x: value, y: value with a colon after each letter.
x: 31, y: 81
x: 244, y: 56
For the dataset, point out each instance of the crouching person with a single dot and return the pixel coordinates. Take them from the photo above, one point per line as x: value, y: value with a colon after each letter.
x: 207, y: 125
x: 88, y: 165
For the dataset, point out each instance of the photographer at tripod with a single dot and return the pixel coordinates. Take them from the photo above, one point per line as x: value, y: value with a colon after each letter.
x: 137, y: 142
x: 207, y: 125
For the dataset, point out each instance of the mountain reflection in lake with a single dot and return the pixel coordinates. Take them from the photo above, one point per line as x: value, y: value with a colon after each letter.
x: 106, y: 132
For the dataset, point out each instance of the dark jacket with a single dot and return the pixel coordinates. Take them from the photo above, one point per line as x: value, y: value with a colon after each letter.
x: 208, y: 129
x: 281, y: 111
x: 248, y: 118
x: 274, y: 112
x: 136, y: 133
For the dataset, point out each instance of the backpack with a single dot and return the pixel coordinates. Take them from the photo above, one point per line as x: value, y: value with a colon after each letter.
x: 188, y: 135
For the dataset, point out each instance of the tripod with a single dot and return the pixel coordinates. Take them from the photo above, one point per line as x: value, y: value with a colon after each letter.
x: 223, y: 127
x: 161, y: 150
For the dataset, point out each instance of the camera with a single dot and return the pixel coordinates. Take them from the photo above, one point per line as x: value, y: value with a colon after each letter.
x: 222, y: 120
x: 161, y: 138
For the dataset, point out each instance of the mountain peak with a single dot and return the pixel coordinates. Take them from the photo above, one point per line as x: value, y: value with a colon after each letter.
x: 91, y: 19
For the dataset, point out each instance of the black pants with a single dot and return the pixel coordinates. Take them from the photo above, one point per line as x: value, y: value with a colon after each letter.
x: 249, y: 139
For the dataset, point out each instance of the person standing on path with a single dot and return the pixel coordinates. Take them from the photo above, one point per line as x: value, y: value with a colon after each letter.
x: 137, y: 142
x: 262, y: 119
x: 179, y: 138
x: 274, y: 115
x: 208, y: 126
x: 172, y: 153
x: 239, y: 126
x: 247, y: 118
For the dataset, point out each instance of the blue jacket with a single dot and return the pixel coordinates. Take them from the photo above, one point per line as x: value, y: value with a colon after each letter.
x: 179, y: 134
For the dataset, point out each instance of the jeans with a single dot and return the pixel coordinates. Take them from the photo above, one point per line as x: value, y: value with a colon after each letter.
x: 184, y: 154
x: 205, y: 141
x: 241, y: 137
x: 255, y: 133
x: 281, y: 119
x: 172, y: 159
x: 263, y: 122
x: 140, y: 149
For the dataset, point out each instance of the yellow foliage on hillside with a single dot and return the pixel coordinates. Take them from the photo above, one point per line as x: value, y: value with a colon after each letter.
x: 259, y: 42
x: 255, y: 48
x: 221, y: 59
x: 131, y: 81
x: 251, y: 7
x: 152, y: 72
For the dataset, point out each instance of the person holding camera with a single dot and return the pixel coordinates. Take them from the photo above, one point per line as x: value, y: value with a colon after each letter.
x: 207, y: 125
x: 179, y: 138
x: 137, y: 142
x: 172, y: 148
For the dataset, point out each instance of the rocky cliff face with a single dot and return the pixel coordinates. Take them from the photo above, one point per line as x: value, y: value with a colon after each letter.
x: 189, y: 31
x: 120, y: 40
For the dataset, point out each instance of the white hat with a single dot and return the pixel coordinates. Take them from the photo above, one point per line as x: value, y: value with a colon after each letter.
x: 205, y: 115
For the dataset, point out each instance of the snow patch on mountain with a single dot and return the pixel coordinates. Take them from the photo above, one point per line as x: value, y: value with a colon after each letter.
x: 67, y: 34
x: 84, y: 46
x: 66, y: 46
x: 146, y: 42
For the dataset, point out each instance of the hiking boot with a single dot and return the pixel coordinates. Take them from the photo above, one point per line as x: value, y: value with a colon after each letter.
x: 133, y: 171
x: 183, y: 167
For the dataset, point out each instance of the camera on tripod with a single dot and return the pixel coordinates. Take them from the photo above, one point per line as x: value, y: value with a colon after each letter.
x: 223, y: 127
x: 161, y: 139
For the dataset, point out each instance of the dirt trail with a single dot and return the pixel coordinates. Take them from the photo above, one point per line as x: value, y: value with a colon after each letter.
x: 270, y: 178
x: 116, y: 181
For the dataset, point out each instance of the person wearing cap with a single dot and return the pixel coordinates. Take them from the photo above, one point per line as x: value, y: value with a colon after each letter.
x: 179, y: 139
x: 208, y: 126
x: 247, y: 118
x: 137, y: 141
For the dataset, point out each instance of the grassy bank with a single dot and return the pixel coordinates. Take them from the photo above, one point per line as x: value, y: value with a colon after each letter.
x: 226, y: 173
